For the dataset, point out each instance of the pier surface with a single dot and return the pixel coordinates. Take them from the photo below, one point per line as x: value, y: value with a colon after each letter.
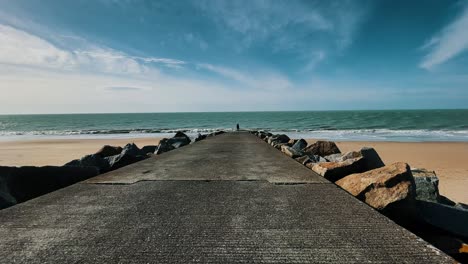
x: 227, y: 199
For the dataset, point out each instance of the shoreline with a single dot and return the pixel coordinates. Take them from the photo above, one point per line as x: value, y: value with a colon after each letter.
x: 447, y: 159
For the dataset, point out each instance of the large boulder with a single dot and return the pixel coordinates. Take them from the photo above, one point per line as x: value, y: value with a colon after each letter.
x: 381, y: 187
x: 18, y: 184
x: 149, y: 149
x: 372, y: 159
x: 291, y: 152
x: 278, y: 139
x: 107, y: 151
x: 93, y: 160
x: 130, y: 154
x: 427, y: 185
x: 334, y: 171
x: 300, y: 145
x: 322, y: 148
x: 179, y: 140
x: 164, y: 146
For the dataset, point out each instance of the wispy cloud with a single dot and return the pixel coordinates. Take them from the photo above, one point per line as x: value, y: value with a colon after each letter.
x: 19, y: 47
x: 306, y: 29
x: 449, y: 43
x: 263, y: 81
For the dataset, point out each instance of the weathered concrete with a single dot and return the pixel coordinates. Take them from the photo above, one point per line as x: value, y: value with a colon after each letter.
x: 194, y: 205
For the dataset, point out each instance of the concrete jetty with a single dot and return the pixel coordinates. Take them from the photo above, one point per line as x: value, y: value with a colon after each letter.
x: 231, y: 198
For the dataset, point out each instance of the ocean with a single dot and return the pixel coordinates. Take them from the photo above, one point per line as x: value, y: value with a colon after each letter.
x: 370, y: 125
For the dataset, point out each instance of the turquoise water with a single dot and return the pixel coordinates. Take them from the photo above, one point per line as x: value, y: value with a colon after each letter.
x: 396, y: 125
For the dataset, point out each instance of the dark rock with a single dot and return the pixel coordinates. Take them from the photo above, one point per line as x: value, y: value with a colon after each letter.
x: 278, y: 139
x: 107, y: 151
x: 93, y: 160
x: 279, y: 145
x: 462, y: 206
x: 291, y: 142
x: 178, y: 142
x: 291, y: 152
x: 149, y: 149
x: 200, y: 137
x: 427, y: 185
x: 322, y: 148
x: 164, y: 146
x: 19, y: 184
x: 130, y: 154
x: 372, y: 159
x: 300, y: 145
x: 446, y: 201
x: 445, y: 217
x: 304, y: 160
x: 381, y: 187
x: 334, y: 171
x: 132, y: 149
x: 180, y: 134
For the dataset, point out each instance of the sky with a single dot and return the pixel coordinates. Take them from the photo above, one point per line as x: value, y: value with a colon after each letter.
x: 100, y: 56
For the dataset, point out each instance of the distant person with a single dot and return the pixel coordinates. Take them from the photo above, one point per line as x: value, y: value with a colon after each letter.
x: 237, y: 127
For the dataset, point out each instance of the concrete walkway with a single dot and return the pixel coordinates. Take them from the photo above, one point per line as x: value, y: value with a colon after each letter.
x: 230, y: 198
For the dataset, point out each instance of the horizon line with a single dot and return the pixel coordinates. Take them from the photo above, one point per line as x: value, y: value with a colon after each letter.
x: 256, y: 111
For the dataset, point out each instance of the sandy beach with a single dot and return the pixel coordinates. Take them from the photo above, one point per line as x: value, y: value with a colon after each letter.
x: 447, y: 159
x: 58, y: 151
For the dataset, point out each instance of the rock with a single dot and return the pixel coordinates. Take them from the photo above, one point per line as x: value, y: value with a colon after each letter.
x: 317, y: 159
x: 132, y: 149
x: 304, y: 160
x: 200, y: 137
x: 427, y: 185
x: 291, y: 152
x: 371, y: 157
x: 261, y: 135
x: 179, y: 140
x: 18, y: 184
x: 334, y: 157
x: 180, y: 134
x: 446, y: 201
x: 278, y: 139
x: 149, y: 149
x: 349, y: 155
x: 322, y: 148
x: 93, y: 160
x: 164, y: 146
x: 462, y: 206
x: 381, y: 187
x: 445, y: 217
x: 279, y: 145
x: 130, y: 154
x: 291, y: 142
x: 107, y: 151
x: 300, y: 145
x: 334, y: 171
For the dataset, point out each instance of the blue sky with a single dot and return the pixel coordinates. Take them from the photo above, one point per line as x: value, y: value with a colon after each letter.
x: 158, y: 56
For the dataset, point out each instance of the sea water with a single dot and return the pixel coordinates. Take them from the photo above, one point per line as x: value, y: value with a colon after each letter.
x: 371, y: 125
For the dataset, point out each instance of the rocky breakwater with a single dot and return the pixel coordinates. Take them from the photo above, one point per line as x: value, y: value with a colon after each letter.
x: 19, y: 184
x: 409, y: 196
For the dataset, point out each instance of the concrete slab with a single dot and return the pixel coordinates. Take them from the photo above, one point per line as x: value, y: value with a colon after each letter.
x: 230, y: 156
x: 189, y: 212
x: 206, y: 222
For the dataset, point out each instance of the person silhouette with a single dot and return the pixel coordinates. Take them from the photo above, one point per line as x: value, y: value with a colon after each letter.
x: 237, y: 127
